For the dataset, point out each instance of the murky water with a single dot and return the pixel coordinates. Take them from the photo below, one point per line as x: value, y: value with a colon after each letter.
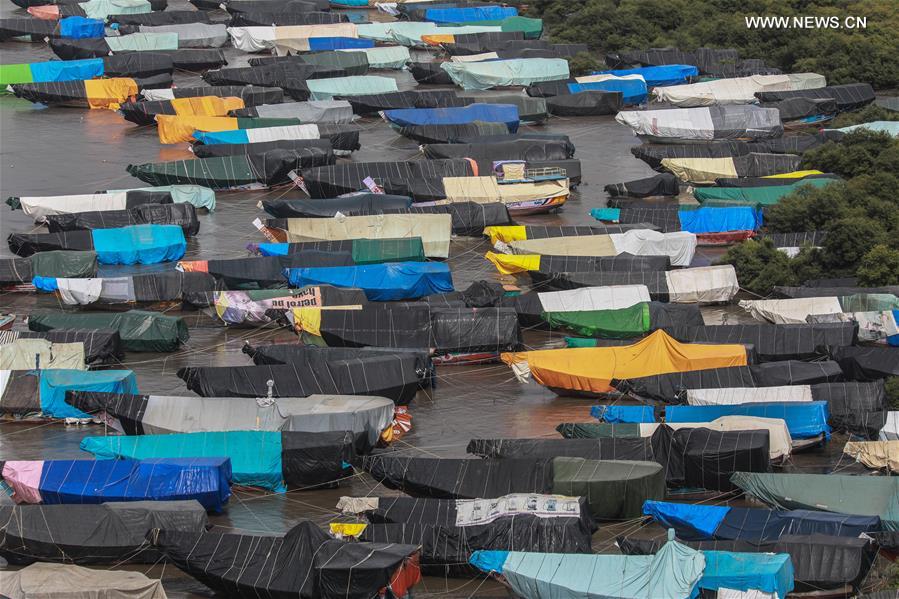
x: 51, y: 151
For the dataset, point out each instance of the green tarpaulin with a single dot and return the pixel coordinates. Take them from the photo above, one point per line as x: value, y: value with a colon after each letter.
x: 143, y: 42
x: 623, y: 323
x: 15, y: 73
x: 532, y: 28
x: 64, y: 264
x: 615, y: 490
x: 140, y: 331
x: 845, y: 494
x: 751, y: 196
x: 598, y: 430
x: 869, y: 302
x: 199, y: 196
x: 376, y: 251
x: 579, y: 342
x: 326, y: 89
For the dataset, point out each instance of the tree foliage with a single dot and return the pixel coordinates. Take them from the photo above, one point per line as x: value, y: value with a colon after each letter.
x: 842, y: 55
x: 879, y: 267
x: 868, y: 114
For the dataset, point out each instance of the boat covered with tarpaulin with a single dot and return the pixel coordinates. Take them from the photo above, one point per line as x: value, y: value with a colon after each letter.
x: 341, y: 139
x: 765, y: 195
x: 522, y: 232
x: 251, y: 171
x: 531, y: 306
x: 296, y: 14
x: 189, y: 59
x: 395, y: 375
x: 631, y: 88
x: 128, y: 23
x: 654, y: 76
x: 868, y: 363
x: 138, y: 244
x: 701, y: 284
x: 271, y: 460
x: 653, y: 153
x: 678, y: 125
x: 594, y: 370
x: 292, y: 77
x: 38, y: 30
x: 527, y: 196
x: 664, y: 184
x: 850, y: 96
x: 736, y: 90
x: 505, y: 73
x: 100, y: 346
x: 529, y: 149
x: 411, y: 33
x: 433, y: 229
x: 145, y: 112
x: 252, y: 95
x: 351, y: 205
x: 25, y: 393
x: 146, y: 69
x: 679, y: 246
x: 91, y: 93
x: 322, y: 111
x: 495, y: 113
x: 106, y: 46
x: 69, y: 580
x: 24, y: 354
x: 258, y: 307
x: 614, y: 489
x: 673, y: 387
x: 138, y: 330
x: 183, y: 215
x: 94, y: 9
x: 192, y: 35
x: 711, y: 225
x: 371, y: 104
x: 365, y: 417
x: 821, y: 562
x: 188, y: 289
x: 692, y: 456
x: 798, y: 310
x: 42, y: 206
x: 343, y: 87
x: 518, y: 40
x: 347, y: 63
x: 21, y: 271
x: 380, y: 282
x: 206, y: 480
x: 294, y: 37
x: 305, y: 562
x: 709, y: 170
x: 105, y: 533
x: 382, y: 57
x: 449, y: 532
x: 623, y: 323
x: 447, y: 330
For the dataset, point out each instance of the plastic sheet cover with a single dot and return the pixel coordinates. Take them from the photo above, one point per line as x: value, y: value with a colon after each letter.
x: 184, y: 215
x: 327, y: 89
x: 55, y: 70
x: 380, y: 282
x: 69, y: 533
x: 305, y: 563
x: 206, y: 480
x: 502, y: 73
x: 670, y: 74
x: 851, y: 96
x: 139, y: 330
x: 868, y: 363
x: 738, y: 90
x: 499, y: 113
x: 385, y: 57
x: 806, y: 420
x: 712, y: 123
x: 65, y: 580
x: 333, y: 181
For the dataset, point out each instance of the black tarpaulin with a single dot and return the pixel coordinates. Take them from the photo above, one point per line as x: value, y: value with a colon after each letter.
x: 611, y: 448
x: 183, y: 215
x: 851, y: 96
x: 235, y: 6
x: 477, y: 43
x: 371, y: 104
x: 469, y: 218
x: 672, y: 387
x: 549, y: 89
x: 21, y: 394
x: 774, y: 342
x: 429, y: 134
x: 793, y: 109
x: 553, y: 267
x: 252, y: 95
x: 15, y: 270
x: 34, y: 29
x: 703, y: 58
x: 789, y: 144
x: 655, y: 281
x: 286, y: 17
x: 429, y: 73
x: 26, y: 244
x: 868, y: 363
x: 333, y: 181
x: 585, y: 103
x: 394, y: 376
x: 855, y: 408
x: 828, y: 291
x: 663, y: 315
x: 451, y: 478
x: 531, y: 150
x: 664, y: 184
x: 100, y: 346
x: 321, y: 147
x: 756, y: 164
x: 820, y: 562
x: 195, y: 59
x: 169, y: 17
x: 305, y: 563
x: 108, y: 533
x: 360, y: 204
x: 312, y: 459
x: 353, y: 63
x: 138, y: 65
x: 653, y: 154
x: 77, y: 49
x: 128, y: 410
x: 291, y: 77
x: 267, y: 272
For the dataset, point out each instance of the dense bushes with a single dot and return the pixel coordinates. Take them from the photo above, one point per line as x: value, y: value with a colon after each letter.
x: 860, y: 215
x: 842, y: 55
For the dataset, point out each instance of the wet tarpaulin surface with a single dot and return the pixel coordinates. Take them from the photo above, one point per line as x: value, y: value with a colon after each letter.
x: 425, y: 177
x: 184, y: 215
x: 100, y: 345
x: 139, y: 330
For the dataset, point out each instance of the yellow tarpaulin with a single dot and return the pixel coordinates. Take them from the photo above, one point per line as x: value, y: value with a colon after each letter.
x: 584, y: 245
x: 179, y: 129
x: 510, y: 264
x: 793, y: 175
x: 347, y: 529
x: 438, y: 38
x: 591, y: 369
x: 206, y: 106
x: 505, y: 233
x: 307, y: 320
x: 109, y: 93
x: 875, y: 454
x: 701, y: 170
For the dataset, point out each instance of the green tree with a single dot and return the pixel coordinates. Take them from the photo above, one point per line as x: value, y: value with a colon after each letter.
x: 868, y: 114
x: 583, y: 64
x: 760, y: 266
x: 879, y: 267
x: 848, y: 241
x: 855, y: 154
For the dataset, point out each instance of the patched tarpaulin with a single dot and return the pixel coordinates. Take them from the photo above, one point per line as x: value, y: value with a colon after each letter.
x: 251, y: 95
x: 139, y: 330
x: 333, y: 181
x: 184, y: 215
x: 48, y: 264
x: 711, y: 123
x: 528, y: 149
x: 774, y: 342
x: 322, y: 111
x: 502, y: 73
x: 100, y: 346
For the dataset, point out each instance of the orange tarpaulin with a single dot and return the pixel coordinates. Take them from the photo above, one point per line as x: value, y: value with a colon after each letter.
x: 206, y: 106
x: 591, y: 369
x: 177, y: 129
x: 109, y: 93
x: 46, y: 12
x: 438, y: 38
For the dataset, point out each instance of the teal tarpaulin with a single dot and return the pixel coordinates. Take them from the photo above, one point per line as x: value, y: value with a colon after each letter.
x: 55, y: 383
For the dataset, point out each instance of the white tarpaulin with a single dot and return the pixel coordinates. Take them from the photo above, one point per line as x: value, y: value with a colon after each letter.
x: 791, y: 311
x: 384, y: 57
x: 607, y: 77
x: 505, y: 73
x: 38, y: 207
x: 252, y: 39
x: 872, y: 326
x: 875, y: 454
x: 702, y: 285
x: 475, y: 57
x: 679, y: 246
x: 473, y: 512
x: 683, y: 123
x: 320, y: 111
x: 262, y: 134
x: 594, y: 298
x: 157, y: 94
x: 257, y: 39
x: 741, y: 395
x: 193, y: 35
x: 736, y: 90
x: 75, y: 292
x: 434, y: 229
x: 890, y: 430
x: 780, y: 441
x: 65, y: 581
x: 28, y: 354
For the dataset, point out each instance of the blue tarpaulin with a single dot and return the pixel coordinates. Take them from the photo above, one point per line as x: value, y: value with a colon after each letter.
x: 669, y: 74
x: 805, y: 419
x: 720, y: 220
x: 66, y: 70
x: 99, y: 481
x: 463, y: 115
x: 47, y: 284
x: 235, y: 136
x: 55, y: 383
x: 380, y: 282
x: 320, y: 44
x: 471, y: 13
x: 893, y: 340
x: 80, y: 28
x: 766, y: 572
x: 756, y: 525
x: 633, y: 91
x: 139, y: 244
x: 273, y: 249
x: 255, y: 455
x: 618, y: 414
